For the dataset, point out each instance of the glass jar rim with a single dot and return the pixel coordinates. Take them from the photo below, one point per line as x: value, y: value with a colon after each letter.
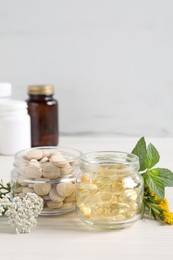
x: 74, y: 153
x: 104, y: 157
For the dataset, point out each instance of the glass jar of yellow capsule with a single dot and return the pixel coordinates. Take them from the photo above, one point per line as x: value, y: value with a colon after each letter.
x: 109, y: 190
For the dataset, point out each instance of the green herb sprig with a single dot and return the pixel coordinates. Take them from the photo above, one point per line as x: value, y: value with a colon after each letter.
x: 155, y: 179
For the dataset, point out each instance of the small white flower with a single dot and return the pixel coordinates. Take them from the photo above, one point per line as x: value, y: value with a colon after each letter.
x: 22, y: 213
x: 4, y: 204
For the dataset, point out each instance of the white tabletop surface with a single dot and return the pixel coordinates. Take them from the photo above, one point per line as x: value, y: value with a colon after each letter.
x: 66, y: 237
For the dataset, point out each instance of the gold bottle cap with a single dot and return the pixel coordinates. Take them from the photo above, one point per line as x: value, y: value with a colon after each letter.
x: 40, y: 90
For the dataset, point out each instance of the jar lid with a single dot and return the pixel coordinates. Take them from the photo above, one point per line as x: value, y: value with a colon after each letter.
x: 40, y: 90
x: 5, y: 89
x: 11, y: 105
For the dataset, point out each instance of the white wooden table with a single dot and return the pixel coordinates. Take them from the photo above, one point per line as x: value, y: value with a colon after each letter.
x: 66, y: 237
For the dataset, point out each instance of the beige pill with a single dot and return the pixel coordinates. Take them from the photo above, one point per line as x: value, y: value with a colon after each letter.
x: 61, y: 164
x: 45, y: 154
x: 42, y: 188
x: 67, y: 206
x: 46, y: 197
x: 58, y: 161
x: 19, y: 189
x: 57, y: 153
x: 33, y: 161
x: 31, y: 185
x: 44, y: 159
x: 66, y: 170
x: 34, y: 154
x: 71, y: 198
x: 21, y: 195
x: 32, y: 172
x: 54, y: 196
x: 27, y: 189
x: 56, y: 158
x: 65, y: 189
x: 54, y: 205
x: 50, y: 171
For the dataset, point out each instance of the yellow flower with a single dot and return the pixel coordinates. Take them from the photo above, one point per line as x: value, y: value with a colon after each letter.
x: 166, y: 215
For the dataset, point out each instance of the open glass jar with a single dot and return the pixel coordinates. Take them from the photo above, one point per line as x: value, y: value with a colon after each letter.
x: 50, y: 172
x: 109, y: 190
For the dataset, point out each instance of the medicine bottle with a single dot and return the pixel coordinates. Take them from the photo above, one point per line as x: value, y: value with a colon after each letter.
x: 43, y: 110
x: 14, y: 126
x: 5, y: 90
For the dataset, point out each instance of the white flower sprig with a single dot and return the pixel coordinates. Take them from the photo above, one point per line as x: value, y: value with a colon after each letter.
x: 4, y: 204
x: 22, y: 212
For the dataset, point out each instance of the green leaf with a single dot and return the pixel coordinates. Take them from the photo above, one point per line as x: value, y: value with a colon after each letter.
x: 4, y: 189
x: 166, y: 176
x: 140, y: 150
x: 152, y: 156
x: 155, y: 183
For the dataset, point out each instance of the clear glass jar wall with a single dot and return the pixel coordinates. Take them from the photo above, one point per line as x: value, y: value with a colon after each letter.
x: 50, y: 172
x: 109, y: 190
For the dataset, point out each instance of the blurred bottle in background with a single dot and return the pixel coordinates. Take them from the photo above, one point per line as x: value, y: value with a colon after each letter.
x: 14, y: 122
x: 5, y: 90
x: 43, y: 110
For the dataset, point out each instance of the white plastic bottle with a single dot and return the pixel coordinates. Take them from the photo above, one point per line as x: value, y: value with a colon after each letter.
x: 14, y: 126
x: 5, y: 90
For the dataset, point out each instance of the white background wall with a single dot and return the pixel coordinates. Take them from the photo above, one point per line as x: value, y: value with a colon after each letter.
x: 111, y: 61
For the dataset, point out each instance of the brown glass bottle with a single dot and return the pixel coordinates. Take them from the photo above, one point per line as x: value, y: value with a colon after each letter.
x: 43, y: 110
